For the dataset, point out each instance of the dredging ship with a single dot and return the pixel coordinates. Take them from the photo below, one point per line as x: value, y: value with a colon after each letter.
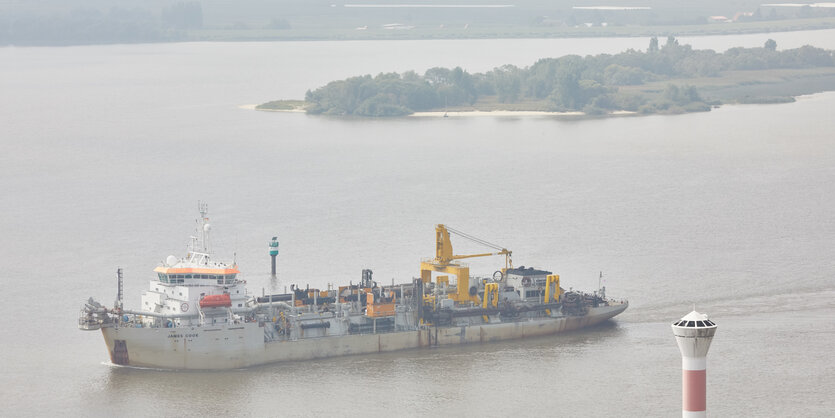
x: 197, y: 313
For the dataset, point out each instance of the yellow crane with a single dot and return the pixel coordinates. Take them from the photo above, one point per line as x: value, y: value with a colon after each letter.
x: 444, y: 262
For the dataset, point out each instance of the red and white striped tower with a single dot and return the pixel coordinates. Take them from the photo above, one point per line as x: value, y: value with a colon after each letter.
x: 693, y: 334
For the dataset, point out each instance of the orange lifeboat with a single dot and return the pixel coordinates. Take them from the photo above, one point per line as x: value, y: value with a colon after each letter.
x: 216, y: 301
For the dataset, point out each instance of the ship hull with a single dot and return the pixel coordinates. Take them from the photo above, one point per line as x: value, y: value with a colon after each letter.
x: 238, y: 346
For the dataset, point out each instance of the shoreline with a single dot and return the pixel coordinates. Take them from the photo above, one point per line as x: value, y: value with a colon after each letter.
x: 465, y: 113
x: 535, y: 113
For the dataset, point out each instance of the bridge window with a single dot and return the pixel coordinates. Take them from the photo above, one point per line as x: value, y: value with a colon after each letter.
x: 225, y: 279
x: 176, y: 278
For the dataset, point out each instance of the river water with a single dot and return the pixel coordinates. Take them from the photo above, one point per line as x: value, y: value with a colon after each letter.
x: 107, y: 149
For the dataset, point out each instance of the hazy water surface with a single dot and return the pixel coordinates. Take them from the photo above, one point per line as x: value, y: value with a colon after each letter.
x: 107, y: 149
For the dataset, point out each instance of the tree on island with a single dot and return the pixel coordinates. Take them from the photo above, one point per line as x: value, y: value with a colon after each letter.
x: 653, y: 45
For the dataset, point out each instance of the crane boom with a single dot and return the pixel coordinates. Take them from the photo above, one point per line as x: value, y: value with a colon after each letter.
x: 443, y: 247
x: 502, y: 252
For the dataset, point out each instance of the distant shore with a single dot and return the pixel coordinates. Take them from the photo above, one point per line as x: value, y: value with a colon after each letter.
x: 431, y: 32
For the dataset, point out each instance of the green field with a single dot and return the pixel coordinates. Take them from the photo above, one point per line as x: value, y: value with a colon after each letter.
x: 58, y: 22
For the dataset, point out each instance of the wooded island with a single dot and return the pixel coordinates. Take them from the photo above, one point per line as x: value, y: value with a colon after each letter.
x: 668, y: 78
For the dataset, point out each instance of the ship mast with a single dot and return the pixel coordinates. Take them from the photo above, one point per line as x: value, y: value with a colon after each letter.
x: 119, y: 290
x: 204, y: 225
x: 200, y: 248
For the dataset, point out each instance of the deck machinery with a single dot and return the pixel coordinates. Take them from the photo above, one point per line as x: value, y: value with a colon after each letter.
x: 509, y: 292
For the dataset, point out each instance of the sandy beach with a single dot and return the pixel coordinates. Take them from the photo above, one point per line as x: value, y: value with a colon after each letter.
x: 495, y: 113
x: 510, y: 113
